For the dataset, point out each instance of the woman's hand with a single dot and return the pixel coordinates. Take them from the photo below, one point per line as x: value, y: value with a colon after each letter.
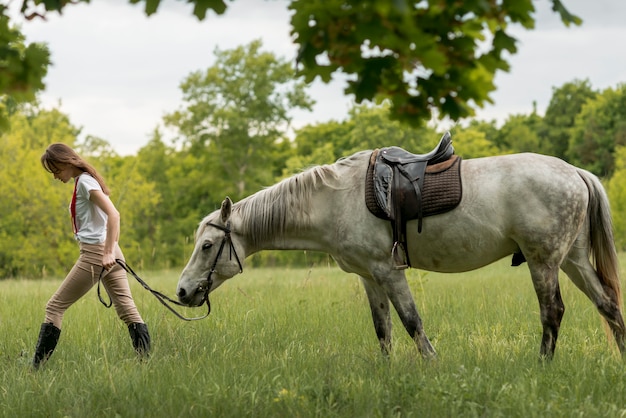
x: 108, y: 261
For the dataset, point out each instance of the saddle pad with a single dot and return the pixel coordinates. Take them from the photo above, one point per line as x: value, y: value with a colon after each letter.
x: 441, y: 192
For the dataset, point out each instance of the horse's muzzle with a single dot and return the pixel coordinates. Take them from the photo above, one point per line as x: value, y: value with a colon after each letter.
x: 195, y: 297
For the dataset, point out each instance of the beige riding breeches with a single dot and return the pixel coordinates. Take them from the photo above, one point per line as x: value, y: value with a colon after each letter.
x: 83, y: 276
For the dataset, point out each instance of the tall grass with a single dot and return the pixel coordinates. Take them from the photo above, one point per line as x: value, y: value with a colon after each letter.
x: 300, y: 343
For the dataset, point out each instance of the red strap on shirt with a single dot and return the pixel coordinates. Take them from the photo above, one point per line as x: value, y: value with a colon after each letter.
x: 73, y: 207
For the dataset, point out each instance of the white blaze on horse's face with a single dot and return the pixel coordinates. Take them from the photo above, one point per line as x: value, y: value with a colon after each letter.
x: 214, y: 259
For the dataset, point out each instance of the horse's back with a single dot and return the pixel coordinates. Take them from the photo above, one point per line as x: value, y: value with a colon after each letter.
x: 521, y: 179
x: 512, y: 202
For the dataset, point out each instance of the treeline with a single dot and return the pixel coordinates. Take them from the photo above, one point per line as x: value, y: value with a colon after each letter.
x: 232, y: 138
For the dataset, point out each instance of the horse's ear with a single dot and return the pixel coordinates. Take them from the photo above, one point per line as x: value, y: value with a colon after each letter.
x: 227, y: 205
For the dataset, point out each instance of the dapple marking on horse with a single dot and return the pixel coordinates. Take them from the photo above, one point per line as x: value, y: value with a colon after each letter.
x: 555, y: 214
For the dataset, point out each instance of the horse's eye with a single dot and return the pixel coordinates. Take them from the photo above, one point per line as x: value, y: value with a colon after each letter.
x: 206, y: 246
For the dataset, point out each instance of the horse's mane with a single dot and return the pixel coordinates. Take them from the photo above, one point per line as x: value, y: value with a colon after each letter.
x: 287, y: 204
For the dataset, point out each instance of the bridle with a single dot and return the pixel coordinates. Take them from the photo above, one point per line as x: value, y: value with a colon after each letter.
x: 232, y: 250
x: 205, y: 298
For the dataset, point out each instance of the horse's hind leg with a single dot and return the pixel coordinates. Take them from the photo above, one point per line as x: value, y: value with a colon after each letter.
x: 579, y: 269
x: 379, y: 305
x: 546, y: 283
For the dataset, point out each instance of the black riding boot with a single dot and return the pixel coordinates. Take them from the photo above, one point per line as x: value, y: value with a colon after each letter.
x: 48, y: 338
x: 141, y: 338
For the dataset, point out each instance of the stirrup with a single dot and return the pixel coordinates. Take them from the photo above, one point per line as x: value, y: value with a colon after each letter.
x: 396, y: 253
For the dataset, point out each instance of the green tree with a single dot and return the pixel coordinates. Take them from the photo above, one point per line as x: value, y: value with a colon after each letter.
x: 421, y: 55
x: 317, y: 144
x: 236, y: 116
x: 324, y: 154
x: 23, y: 67
x: 155, y: 230
x: 373, y: 127
x: 520, y: 133
x: 616, y: 189
x: 488, y: 128
x: 599, y: 128
x: 471, y: 142
x: 367, y: 127
x: 35, y: 233
x: 137, y: 200
x: 565, y: 105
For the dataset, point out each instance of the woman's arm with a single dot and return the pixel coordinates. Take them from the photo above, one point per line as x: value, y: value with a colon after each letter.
x: 113, y: 226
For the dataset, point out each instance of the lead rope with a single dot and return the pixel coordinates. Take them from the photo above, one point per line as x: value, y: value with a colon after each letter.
x: 106, y: 305
x: 163, y: 298
x: 160, y: 296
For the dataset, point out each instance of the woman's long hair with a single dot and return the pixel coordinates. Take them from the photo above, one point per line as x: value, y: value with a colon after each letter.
x: 59, y: 153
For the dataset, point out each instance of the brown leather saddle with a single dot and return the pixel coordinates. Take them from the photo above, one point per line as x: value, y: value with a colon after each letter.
x: 401, y: 186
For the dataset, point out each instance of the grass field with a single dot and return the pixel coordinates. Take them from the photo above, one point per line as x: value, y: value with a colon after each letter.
x: 300, y: 343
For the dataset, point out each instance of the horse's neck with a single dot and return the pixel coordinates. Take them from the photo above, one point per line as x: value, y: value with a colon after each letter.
x: 293, y: 237
x: 303, y: 231
x: 301, y: 213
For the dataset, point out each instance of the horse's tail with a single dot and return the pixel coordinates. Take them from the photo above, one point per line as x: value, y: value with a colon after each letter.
x: 603, y: 252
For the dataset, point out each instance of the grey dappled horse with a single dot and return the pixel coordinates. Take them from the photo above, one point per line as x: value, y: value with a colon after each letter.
x: 555, y: 214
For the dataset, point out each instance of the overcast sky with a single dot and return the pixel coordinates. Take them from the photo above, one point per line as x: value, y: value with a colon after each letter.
x: 116, y: 72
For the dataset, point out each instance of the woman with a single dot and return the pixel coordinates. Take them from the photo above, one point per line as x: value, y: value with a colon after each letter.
x: 96, y: 225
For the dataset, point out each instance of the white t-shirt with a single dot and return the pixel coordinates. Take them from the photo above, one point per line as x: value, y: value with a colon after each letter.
x: 91, y: 221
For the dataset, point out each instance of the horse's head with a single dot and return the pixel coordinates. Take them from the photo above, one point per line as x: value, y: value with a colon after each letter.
x: 215, y: 258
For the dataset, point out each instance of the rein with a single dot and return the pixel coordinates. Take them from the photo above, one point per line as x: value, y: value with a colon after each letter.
x: 165, y: 299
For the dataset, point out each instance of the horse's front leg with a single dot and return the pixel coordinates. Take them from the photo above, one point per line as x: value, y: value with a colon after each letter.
x: 398, y: 292
x: 379, y: 305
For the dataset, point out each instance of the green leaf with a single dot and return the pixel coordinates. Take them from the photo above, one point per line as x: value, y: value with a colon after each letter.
x: 201, y: 7
x: 366, y: 87
x: 53, y: 4
x: 152, y: 6
x: 566, y: 16
x: 520, y: 11
x: 502, y: 41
